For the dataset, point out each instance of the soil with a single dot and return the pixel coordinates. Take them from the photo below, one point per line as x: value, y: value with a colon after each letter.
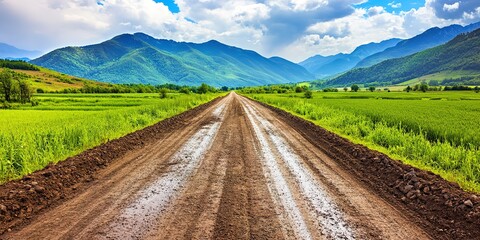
x: 235, y: 169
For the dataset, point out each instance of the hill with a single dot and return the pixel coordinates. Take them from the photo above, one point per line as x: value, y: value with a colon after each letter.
x: 331, y: 65
x: 11, y: 52
x: 140, y: 58
x: 46, y: 80
x: 462, y: 54
x: 431, y: 38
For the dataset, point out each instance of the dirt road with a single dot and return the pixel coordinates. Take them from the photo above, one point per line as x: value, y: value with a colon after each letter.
x: 233, y: 170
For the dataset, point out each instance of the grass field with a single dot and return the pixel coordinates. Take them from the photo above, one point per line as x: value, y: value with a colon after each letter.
x: 63, y: 125
x: 434, y: 131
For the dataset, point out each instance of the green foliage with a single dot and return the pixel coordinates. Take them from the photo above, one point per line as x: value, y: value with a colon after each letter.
x: 17, y: 64
x: 163, y: 93
x: 6, y: 82
x: 435, y: 135
x: 205, y: 88
x: 355, y: 87
x: 371, y: 89
x: 330, y: 90
x: 308, y: 94
x: 63, y: 125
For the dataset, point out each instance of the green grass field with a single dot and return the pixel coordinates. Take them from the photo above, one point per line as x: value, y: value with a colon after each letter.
x: 435, y: 131
x: 63, y: 125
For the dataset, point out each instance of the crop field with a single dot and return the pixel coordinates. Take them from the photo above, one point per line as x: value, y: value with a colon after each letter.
x: 433, y: 131
x: 63, y: 125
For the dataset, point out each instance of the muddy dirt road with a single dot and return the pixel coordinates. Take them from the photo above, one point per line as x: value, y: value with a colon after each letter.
x: 234, y: 170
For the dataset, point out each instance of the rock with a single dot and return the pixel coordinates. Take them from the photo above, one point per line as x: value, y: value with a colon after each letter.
x: 407, y: 188
x: 411, y: 194
x: 426, y: 189
x: 3, y: 208
x: 468, y: 203
x: 39, y: 189
x: 34, y: 183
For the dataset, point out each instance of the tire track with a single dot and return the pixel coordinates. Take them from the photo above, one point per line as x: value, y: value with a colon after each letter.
x: 320, y: 206
x: 141, y: 215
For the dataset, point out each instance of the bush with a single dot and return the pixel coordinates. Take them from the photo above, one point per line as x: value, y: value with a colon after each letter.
x: 163, y: 93
x: 308, y: 94
x: 355, y: 87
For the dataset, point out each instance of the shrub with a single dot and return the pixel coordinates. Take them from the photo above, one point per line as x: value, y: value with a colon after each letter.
x: 308, y: 94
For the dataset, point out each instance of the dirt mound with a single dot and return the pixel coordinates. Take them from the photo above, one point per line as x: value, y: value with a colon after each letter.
x: 21, y: 199
x: 442, y: 208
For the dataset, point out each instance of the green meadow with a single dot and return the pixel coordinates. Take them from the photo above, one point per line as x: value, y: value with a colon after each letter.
x: 436, y: 131
x: 62, y: 125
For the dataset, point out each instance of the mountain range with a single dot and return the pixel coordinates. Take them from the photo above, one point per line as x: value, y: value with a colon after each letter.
x: 462, y: 54
x: 11, y: 52
x: 428, y: 39
x: 373, y: 53
x: 324, y: 66
x: 139, y: 58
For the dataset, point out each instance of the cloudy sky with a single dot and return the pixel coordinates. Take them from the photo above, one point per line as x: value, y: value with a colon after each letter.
x: 294, y: 29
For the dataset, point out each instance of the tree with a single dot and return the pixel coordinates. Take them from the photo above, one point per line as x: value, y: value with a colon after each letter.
x: 25, y: 92
x: 299, y: 89
x: 163, y: 93
x: 423, y: 87
x: 345, y: 89
x: 203, y: 88
x: 308, y: 94
x: 355, y: 87
x: 7, y: 84
x: 408, y: 89
x: 224, y: 88
x: 371, y: 88
x: 185, y: 90
x: 476, y: 89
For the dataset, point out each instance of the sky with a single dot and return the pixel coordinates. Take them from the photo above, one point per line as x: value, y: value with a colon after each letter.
x: 293, y: 29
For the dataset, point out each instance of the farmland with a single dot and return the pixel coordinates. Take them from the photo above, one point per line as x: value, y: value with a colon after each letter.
x: 63, y: 125
x: 433, y: 131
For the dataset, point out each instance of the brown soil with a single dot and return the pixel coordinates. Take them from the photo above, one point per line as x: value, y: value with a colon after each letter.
x: 230, y: 194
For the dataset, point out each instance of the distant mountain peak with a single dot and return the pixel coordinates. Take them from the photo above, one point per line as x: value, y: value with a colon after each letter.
x: 12, y: 52
x: 432, y: 37
x: 324, y: 66
x: 140, y: 58
x: 460, y: 54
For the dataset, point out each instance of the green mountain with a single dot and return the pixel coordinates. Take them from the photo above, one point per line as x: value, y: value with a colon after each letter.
x: 140, y: 58
x: 462, y: 54
x: 331, y: 65
x: 431, y: 38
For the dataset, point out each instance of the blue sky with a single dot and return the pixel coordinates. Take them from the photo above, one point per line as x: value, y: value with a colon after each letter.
x: 293, y: 29
x: 394, y: 6
x: 172, y: 6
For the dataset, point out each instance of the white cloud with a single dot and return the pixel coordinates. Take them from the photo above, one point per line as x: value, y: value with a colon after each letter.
x: 451, y: 7
x: 395, y: 5
x: 295, y: 29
